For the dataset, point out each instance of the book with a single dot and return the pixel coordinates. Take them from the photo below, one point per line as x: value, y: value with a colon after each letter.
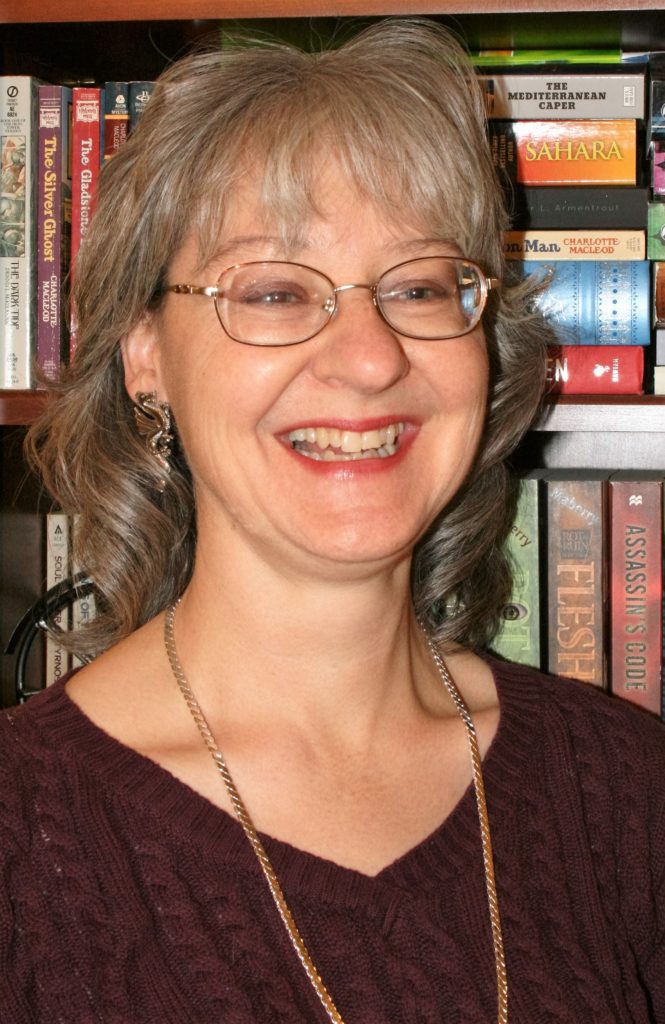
x: 575, y: 503
x: 575, y: 245
x: 54, y: 216
x: 519, y: 636
x: 659, y: 380
x: 657, y: 104
x: 595, y: 369
x: 57, y: 570
x: 565, y: 94
x: 579, y: 207
x: 636, y: 589
x: 595, y: 302
x: 658, y: 167
x: 659, y: 346
x: 116, y: 117
x: 656, y: 230
x: 139, y: 94
x: 86, y: 158
x: 565, y: 152
x: 658, y: 310
x: 18, y: 257
x: 83, y: 609
x: 515, y: 57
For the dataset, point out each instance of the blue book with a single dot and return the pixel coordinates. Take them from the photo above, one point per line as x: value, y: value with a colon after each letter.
x: 595, y: 302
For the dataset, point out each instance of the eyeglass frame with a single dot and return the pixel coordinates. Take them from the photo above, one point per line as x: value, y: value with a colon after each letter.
x: 487, y: 284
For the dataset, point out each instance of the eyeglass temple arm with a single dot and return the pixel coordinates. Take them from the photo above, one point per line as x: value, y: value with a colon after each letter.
x: 211, y: 291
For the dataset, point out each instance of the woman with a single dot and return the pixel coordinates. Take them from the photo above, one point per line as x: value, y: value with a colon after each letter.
x: 284, y: 431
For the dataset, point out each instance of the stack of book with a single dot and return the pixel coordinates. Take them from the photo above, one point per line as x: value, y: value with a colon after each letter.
x: 566, y: 143
x: 52, y: 141
x: 587, y: 602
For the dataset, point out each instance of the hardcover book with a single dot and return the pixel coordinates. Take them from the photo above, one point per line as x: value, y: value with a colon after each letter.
x: 557, y: 94
x: 116, y: 116
x: 636, y: 590
x: 57, y: 570
x: 576, y: 573
x: 595, y: 302
x: 575, y: 245
x: 595, y: 369
x: 658, y: 167
x: 581, y: 207
x: 18, y: 241
x: 565, y: 152
x: 54, y: 217
x: 518, y: 638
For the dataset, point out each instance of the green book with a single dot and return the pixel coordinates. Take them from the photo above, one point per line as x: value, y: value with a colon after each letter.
x: 519, y: 636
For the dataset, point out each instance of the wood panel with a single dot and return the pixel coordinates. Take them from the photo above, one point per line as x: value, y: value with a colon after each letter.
x: 139, y: 10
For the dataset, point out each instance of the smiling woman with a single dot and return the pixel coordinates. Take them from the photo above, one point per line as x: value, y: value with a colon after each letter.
x: 300, y: 370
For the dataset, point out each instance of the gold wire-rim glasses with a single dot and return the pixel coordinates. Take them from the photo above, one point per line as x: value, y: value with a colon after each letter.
x: 329, y: 307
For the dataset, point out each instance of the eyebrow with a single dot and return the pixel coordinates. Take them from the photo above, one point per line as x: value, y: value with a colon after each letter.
x: 277, y: 244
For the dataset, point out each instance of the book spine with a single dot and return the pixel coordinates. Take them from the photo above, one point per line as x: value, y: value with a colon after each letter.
x: 86, y: 157
x: 57, y: 568
x: 595, y: 302
x: 574, y: 245
x: 576, y: 566
x: 518, y: 638
x: 139, y: 94
x: 83, y: 609
x: 595, y: 369
x: 53, y: 226
x: 656, y: 231
x: 116, y: 116
x: 18, y: 242
x: 566, y: 152
x: 580, y: 207
x: 636, y: 591
x: 556, y: 95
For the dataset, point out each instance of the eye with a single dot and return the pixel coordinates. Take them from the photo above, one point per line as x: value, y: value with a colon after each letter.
x: 418, y: 291
x: 272, y: 293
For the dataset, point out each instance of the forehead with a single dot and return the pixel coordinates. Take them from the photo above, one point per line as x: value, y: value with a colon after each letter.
x: 333, y: 211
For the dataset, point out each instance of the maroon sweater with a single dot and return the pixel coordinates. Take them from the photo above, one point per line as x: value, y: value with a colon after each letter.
x: 129, y: 899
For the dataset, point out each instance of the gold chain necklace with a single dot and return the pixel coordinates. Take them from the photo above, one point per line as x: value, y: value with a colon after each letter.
x: 267, y: 868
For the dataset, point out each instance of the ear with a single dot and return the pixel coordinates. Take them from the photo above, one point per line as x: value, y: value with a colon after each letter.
x: 141, y: 358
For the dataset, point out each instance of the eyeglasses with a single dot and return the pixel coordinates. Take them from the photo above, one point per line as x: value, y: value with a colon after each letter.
x: 279, y: 303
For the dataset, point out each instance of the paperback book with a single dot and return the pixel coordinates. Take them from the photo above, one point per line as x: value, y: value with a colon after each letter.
x: 18, y: 241
x: 580, y: 207
x: 518, y: 638
x: 54, y: 216
x: 586, y: 244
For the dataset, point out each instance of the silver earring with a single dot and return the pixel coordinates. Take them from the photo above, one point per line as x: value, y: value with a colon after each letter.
x: 153, y: 423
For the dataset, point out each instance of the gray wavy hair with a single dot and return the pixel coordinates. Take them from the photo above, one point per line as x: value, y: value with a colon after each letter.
x: 401, y: 109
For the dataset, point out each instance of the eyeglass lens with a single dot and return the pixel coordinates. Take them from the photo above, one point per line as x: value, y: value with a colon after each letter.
x: 279, y: 303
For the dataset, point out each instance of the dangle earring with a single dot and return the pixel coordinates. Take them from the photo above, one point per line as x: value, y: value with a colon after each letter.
x: 153, y: 423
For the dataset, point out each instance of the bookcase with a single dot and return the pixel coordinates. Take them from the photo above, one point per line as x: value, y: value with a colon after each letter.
x: 62, y: 40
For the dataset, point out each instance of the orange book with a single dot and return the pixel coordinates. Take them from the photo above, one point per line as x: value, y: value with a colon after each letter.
x: 566, y: 152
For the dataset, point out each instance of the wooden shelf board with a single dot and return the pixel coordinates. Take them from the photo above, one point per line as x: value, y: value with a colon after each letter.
x: 18, y: 408
x: 139, y: 10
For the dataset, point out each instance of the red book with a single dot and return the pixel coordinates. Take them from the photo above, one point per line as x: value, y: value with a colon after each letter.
x: 636, y: 589
x: 595, y: 369
x: 86, y: 159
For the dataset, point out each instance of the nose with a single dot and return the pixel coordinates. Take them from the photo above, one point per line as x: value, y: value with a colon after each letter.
x: 357, y: 348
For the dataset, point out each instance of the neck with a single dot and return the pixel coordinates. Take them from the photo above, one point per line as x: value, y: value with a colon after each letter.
x: 334, y: 654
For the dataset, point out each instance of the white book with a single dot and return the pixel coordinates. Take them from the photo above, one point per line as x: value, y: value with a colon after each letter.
x: 18, y: 198
x: 57, y: 570
x: 83, y: 610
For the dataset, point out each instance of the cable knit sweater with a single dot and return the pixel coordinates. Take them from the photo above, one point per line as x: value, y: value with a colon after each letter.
x: 129, y: 899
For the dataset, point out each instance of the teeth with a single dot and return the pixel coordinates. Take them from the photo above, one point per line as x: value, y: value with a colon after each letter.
x: 347, y: 445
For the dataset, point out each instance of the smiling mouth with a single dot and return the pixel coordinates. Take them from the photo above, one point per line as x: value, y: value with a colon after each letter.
x: 328, y: 444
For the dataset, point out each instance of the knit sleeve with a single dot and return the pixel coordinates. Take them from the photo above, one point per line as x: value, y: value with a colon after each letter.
x: 653, y: 965
x: 15, y: 851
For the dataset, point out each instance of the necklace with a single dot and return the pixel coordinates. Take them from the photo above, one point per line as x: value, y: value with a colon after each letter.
x: 267, y: 868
